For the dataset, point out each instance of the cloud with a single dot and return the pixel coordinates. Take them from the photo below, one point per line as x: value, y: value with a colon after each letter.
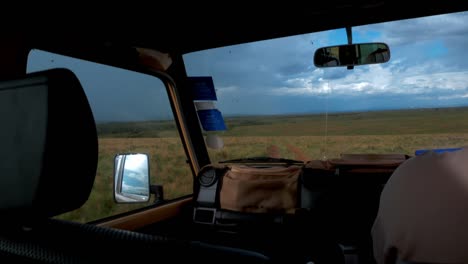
x: 449, y: 26
x: 374, y: 80
x: 136, y: 168
x: 456, y: 96
x: 132, y: 189
x: 262, y: 64
x: 438, y: 81
x: 377, y: 79
x: 130, y: 175
x: 284, y: 67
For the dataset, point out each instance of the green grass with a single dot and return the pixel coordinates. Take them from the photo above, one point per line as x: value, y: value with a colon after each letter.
x: 167, y: 167
x: 420, y: 121
x: 297, y: 137
x: 315, y: 147
x: 148, y: 129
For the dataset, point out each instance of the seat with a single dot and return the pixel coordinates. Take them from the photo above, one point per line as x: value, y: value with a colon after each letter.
x: 48, y: 162
x: 423, y: 211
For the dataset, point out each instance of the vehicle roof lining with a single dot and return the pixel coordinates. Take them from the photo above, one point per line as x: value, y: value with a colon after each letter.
x: 196, y: 31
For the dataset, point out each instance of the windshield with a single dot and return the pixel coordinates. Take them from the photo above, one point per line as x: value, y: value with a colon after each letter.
x: 276, y: 103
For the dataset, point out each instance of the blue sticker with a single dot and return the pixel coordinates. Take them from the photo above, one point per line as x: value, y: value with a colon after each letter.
x: 211, y: 120
x: 422, y: 151
x: 203, y: 88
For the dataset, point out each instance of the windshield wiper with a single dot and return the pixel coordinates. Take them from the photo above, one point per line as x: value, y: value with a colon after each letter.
x: 262, y: 160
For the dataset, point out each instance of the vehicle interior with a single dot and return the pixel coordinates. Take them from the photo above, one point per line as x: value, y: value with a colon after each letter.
x: 112, y: 138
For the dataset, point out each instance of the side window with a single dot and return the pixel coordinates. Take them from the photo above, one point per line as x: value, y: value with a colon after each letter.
x: 133, y: 114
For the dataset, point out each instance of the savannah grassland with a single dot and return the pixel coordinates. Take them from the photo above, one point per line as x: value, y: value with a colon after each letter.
x: 300, y: 137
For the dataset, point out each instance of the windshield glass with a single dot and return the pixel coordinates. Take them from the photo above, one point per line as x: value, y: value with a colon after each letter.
x: 276, y: 103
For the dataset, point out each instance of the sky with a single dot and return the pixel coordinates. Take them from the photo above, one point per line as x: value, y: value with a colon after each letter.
x: 136, y: 175
x: 428, y: 68
x: 114, y: 94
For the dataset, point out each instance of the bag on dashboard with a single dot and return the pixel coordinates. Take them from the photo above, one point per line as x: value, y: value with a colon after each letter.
x: 260, y: 190
x: 240, y: 191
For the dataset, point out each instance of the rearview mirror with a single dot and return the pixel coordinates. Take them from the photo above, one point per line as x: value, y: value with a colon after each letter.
x: 131, y: 178
x: 352, y: 55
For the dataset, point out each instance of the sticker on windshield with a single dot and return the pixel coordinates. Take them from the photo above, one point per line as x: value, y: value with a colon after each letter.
x: 205, y: 105
x: 203, y: 88
x: 211, y: 120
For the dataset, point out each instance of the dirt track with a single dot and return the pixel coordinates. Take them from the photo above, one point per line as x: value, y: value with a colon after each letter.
x: 298, y: 154
x: 273, y: 151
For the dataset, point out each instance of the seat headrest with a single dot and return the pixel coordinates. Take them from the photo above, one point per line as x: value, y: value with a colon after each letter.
x: 49, y: 147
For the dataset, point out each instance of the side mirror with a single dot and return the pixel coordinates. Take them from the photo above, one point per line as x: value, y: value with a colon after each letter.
x: 131, y: 178
x: 352, y: 55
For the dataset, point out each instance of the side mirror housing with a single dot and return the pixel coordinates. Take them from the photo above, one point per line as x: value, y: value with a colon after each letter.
x: 131, y: 178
